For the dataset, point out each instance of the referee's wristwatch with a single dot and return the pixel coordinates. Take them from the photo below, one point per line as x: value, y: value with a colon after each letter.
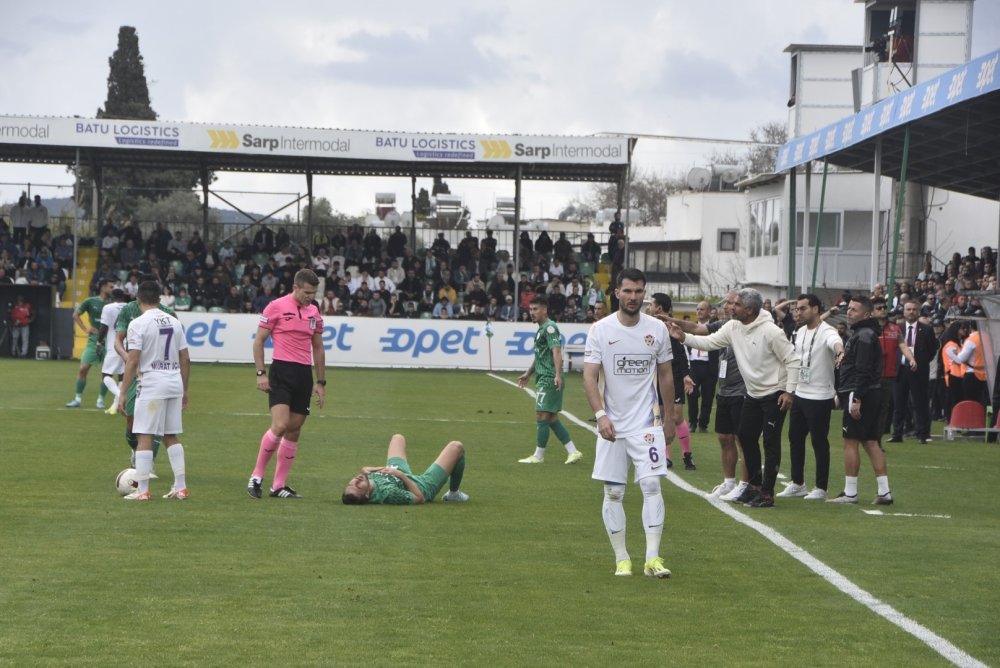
x: 261, y: 372
x: 321, y: 382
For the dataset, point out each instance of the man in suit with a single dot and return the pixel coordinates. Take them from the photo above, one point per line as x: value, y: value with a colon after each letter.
x: 913, y: 377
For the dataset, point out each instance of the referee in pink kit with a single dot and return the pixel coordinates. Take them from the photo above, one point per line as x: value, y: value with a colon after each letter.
x: 294, y: 324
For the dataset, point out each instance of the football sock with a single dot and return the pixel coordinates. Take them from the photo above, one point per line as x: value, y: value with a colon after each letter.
x: 559, y: 429
x: 455, y: 481
x: 80, y: 384
x: 541, y: 433
x: 883, y: 484
x: 176, y: 455
x: 143, y: 467
x: 851, y: 485
x: 684, y: 436
x: 286, y: 455
x: 268, y: 446
x: 102, y: 391
x: 156, y: 446
x: 652, y: 514
x: 131, y: 439
x: 614, y: 519
x: 112, y: 387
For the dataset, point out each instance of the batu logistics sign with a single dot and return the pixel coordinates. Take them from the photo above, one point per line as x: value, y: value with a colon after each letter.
x: 310, y: 142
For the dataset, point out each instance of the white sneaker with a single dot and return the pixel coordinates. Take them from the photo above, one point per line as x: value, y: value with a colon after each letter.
x: 793, y: 489
x: 816, y: 495
x: 457, y: 495
x: 530, y: 460
x: 574, y: 457
x: 735, y: 494
x: 723, y: 488
x: 100, y: 404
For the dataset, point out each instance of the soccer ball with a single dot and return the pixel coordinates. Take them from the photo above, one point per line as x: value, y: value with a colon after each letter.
x: 125, y: 482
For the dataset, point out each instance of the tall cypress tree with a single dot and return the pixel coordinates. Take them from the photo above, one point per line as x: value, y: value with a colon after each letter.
x: 128, y: 99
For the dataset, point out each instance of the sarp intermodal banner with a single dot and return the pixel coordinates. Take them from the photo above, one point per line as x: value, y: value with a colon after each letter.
x: 382, y: 342
x: 311, y: 142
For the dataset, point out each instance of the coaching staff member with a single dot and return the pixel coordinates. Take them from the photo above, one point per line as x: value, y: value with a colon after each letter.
x: 860, y: 396
x: 295, y: 328
x: 770, y: 368
x: 913, y: 378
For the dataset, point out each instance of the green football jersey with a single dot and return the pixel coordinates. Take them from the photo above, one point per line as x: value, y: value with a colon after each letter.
x: 92, y: 306
x: 389, y: 490
x: 131, y: 311
x: 546, y: 340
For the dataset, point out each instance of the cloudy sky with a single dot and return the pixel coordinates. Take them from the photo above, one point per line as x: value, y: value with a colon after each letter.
x: 668, y: 67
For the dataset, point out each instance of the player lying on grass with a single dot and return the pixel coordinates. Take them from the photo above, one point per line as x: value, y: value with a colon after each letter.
x: 395, y: 483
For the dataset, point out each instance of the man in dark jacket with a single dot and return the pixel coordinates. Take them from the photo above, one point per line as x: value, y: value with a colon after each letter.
x: 860, y: 397
x: 913, y: 376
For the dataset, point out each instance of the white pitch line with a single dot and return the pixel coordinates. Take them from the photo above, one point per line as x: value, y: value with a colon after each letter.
x: 882, y: 609
x: 314, y: 416
x: 881, y: 513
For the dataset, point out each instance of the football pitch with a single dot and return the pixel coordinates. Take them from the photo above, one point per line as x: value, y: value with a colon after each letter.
x: 519, y: 576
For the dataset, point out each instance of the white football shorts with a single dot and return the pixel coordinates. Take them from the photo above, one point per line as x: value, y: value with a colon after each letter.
x: 157, y: 416
x: 645, y: 450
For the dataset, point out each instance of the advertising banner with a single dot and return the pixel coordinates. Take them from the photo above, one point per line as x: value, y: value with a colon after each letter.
x: 382, y: 342
x: 311, y: 142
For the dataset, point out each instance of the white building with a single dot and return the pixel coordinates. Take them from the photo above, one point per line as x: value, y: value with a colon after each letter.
x: 901, y: 48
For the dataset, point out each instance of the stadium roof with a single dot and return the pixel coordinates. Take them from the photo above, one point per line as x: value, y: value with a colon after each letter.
x: 249, y: 148
x: 954, y: 138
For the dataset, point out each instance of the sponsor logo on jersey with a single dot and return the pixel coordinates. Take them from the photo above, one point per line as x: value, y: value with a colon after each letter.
x: 632, y: 365
x: 649, y: 438
x: 650, y: 339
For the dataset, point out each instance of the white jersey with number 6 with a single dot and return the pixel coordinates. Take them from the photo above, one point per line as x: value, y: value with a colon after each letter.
x: 113, y: 363
x: 160, y: 338
x: 628, y: 357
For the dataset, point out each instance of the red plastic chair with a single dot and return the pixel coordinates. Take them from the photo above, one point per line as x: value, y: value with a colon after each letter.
x: 965, y: 415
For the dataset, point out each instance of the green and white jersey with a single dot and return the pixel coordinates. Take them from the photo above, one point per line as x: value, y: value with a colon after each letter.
x: 131, y: 311
x: 546, y: 340
x: 92, y: 306
x: 387, y: 489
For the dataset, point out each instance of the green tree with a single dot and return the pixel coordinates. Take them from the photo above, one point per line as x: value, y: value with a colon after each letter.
x: 648, y: 193
x: 125, y: 189
x: 760, y: 157
x: 177, y: 208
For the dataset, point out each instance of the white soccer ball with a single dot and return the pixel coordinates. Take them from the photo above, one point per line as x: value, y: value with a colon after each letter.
x: 125, y: 482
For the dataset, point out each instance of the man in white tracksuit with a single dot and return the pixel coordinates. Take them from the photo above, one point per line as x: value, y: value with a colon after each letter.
x: 770, y: 368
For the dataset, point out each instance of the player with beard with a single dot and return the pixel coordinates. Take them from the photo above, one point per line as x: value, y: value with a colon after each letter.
x: 631, y: 351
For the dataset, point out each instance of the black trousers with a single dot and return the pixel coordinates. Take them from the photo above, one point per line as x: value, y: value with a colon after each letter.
x: 911, y: 386
x: 812, y: 417
x: 761, y: 417
x: 700, y: 401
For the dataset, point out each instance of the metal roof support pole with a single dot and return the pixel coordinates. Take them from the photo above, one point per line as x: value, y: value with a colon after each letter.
x: 309, y: 213
x: 413, y: 214
x: 628, y: 212
x: 891, y: 287
x: 876, y: 214
x: 790, y: 292
x: 805, y: 224
x: 204, y: 202
x: 517, y: 238
x: 98, y: 198
x: 76, y: 223
x: 819, y: 226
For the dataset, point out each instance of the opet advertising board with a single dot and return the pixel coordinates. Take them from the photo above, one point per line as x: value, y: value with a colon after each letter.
x: 382, y: 342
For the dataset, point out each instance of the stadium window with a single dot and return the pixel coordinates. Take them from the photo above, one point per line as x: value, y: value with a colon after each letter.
x: 728, y: 241
x: 830, y: 234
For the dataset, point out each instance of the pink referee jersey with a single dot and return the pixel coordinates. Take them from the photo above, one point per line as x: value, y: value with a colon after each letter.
x: 292, y: 327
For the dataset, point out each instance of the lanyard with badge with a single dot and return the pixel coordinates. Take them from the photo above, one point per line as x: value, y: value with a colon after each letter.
x: 805, y: 372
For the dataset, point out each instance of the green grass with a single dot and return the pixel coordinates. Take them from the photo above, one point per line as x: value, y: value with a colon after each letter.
x: 519, y: 576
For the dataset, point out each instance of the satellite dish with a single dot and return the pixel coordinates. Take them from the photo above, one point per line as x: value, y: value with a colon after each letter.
x: 392, y: 218
x: 730, y: 173
x: 496, y: 222
x: 371, y: 220
x: 699, y: 178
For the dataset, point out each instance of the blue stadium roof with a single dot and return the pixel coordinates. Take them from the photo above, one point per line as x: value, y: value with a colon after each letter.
x: 954, y: 122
